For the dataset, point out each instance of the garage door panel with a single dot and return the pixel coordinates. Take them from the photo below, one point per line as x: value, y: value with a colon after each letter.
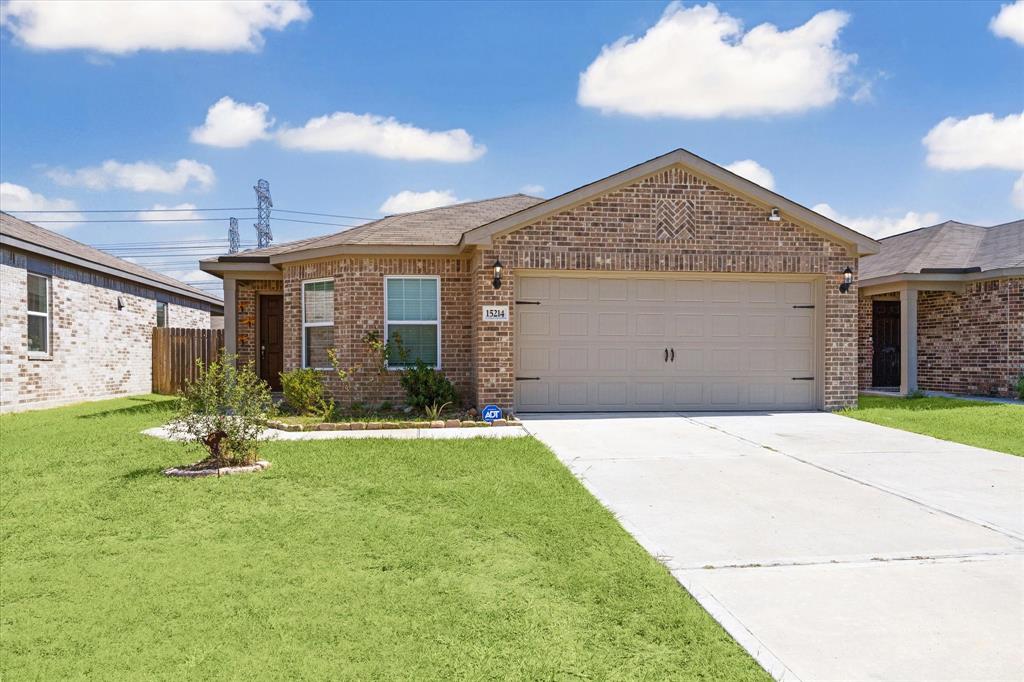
x: 650, y: 324
x: 534, y: 288
x: 572, y: 324
x: 571, y: 289
x: 612, y: 324
x: 533, y: 323
x: 600, y: 344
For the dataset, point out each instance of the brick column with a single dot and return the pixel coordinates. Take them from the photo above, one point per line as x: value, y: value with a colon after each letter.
x: 493, y: 342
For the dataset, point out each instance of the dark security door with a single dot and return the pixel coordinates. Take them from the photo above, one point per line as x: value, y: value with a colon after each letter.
x: 885, y: 370
x: 271, y: 340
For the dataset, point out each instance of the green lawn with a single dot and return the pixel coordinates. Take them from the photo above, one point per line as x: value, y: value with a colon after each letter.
x: 370, y: 559
x: 997, y: 426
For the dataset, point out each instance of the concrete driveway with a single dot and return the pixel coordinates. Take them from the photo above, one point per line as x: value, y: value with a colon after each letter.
x: 831, y: 549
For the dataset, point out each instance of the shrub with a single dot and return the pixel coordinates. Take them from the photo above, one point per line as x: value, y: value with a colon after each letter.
x: 303, y: 390
x: 224, y: 410
x: 425, y: 386
x: 1020, y: 387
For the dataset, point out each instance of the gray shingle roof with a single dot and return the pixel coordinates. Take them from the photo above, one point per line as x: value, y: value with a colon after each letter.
x: 432, y: 227
x: 33, y: 234
x: 948, y: 245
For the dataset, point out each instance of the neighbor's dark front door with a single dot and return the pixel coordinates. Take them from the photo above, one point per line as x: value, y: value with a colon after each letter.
x: 885, y: 370
x: 271, y: 340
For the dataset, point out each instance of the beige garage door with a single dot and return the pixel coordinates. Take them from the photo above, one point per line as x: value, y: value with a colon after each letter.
x: 609, y: 343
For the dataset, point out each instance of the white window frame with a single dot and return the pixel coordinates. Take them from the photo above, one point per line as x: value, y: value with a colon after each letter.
x: 437, y: 322
x: 306, y: 325
x: 48, y: 316
x: 167, y: 313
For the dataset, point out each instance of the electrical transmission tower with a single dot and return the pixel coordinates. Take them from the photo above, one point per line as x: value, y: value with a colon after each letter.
x: 233, y: 235
x: 263, y: 206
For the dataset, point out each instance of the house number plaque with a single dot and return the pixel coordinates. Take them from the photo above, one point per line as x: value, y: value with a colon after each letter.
x: 495, y: 313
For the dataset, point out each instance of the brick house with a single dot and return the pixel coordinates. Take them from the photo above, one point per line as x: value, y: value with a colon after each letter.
x: 942, y: 309
x: 674, y: 284
x: 76, y: 323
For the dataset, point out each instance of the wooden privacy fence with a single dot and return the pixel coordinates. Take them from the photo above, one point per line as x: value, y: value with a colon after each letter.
x: 175, y: 352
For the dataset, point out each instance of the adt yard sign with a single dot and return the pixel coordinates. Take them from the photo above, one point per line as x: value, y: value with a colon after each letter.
x: 490, y: 413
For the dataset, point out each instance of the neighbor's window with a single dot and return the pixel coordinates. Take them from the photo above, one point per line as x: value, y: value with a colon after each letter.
x: 411, y: 308
x: 161, y: 313
x: 38, y: 314
x: 317, y: 322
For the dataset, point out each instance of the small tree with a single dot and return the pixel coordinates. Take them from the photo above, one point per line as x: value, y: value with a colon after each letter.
x: 382, y: 352
x: 224, y: 411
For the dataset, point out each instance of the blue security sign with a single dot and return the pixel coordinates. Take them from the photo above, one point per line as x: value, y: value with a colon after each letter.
x: 490, y: 413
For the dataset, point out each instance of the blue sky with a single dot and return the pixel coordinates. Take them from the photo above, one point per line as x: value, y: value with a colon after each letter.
x: 831, y: 128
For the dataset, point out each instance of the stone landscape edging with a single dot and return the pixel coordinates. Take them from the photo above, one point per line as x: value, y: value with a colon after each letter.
x: 180, y: 472
x: 383, y: 426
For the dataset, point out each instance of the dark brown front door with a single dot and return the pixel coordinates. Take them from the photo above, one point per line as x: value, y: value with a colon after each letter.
x: 271, y: 340
x: 885, y: 332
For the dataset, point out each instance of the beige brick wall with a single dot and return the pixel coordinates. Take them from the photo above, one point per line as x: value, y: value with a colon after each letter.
x: 97, y: 350
x: 619, y: 231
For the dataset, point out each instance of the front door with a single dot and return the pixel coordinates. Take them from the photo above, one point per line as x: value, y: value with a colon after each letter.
x: 885, y: 332
x: 271, y: 340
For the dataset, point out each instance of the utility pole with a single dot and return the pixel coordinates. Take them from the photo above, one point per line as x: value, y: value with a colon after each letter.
x: 233, y: 235
x: 263, y: 206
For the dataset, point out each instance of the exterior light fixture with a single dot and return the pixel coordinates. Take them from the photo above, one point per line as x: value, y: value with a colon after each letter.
x: 496, y: 281
x: 775, y: 216
x: 120, y: 303
x: 847, y: 280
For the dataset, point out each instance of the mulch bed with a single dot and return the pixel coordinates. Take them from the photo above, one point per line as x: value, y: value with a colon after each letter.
x: 199, y: 470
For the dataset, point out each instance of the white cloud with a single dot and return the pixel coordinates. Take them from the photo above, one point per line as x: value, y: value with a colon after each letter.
x: 533, y: 190
x: 753, y: 171
x: 380, y: 136
x: 697, y: 62
x: 233, y: 124
x: 407, y: 200
x: 1009, y: 23
x: 14, y: 198
x: 1017, y: 194
x: 127, y: 26
x: 176, y: 212
x: 880, y: 226
x: 141, y: 176
x: 981, y: 141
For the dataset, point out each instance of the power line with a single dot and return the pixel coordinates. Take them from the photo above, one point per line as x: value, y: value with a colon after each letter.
x: 191, y: 220
x: 185, y: 210
x: 140, y: 220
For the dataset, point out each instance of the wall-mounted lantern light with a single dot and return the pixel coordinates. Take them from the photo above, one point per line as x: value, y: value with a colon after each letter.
x: 120, y: 303
x: 847, y: 280
x: 496, y: 281
x: 775, y: 216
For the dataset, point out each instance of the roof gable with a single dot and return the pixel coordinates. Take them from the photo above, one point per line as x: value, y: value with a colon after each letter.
x: 691, y: 162
x: 25, y: 235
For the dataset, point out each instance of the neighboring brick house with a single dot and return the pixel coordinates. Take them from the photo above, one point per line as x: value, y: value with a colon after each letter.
x: 674, y: 284
x: 76, y: 323
x: 942, y: 309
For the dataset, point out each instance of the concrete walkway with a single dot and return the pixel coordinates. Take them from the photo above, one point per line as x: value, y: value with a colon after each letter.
x: 831, y: 549
x: 436, y: 434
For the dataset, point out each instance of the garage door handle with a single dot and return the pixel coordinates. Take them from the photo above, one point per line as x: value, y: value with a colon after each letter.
x: 673, y: 355
x: 527, y: 378
x: 666, y: 355
x: 803, y: 378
